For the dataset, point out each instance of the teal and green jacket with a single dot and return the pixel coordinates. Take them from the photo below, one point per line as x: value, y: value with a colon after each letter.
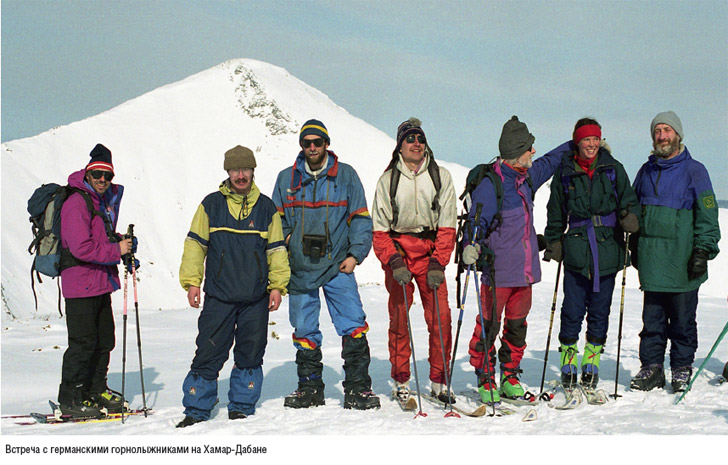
x: 679, y: 214
x: 236, y: 242
x: 578, y: 203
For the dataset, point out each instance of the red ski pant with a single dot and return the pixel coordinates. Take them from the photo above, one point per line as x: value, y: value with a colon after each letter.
x: 516, y: 301
x: 399, y: 344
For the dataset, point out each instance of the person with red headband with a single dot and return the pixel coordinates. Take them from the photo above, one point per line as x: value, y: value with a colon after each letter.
x: 91, y: 251
x: 592, y: 206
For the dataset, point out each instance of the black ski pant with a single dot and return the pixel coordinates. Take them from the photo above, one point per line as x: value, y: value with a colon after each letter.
x: 90, y: 323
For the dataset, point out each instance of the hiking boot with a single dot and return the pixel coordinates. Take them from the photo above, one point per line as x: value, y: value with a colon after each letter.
x: 85, y: 409
x: 362, y: 400
x: 440, y: 391
x: 305, y: 397
x: 488, y: 389
x: 568, y: 365
x: 590, y: 365
x: 188, y: 421
x: 109, y: 400
x: 648, y: 378
x: 232, y: 415
x: 681, y: 378
x: 510, y: 385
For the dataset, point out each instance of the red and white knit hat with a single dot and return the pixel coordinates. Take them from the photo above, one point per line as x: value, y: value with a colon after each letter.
x: 100, y: 159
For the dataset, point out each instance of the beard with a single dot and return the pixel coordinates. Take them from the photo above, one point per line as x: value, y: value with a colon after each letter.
x: 666, y: 148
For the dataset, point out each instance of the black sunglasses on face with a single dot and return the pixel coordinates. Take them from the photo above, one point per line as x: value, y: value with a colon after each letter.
x: 97, y: 174
x: 411, y: 139
x: 305, y: 143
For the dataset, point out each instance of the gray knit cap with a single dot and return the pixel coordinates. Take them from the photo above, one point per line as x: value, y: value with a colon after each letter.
x: 239, y: 157
x: 515, y: 139
x: 669, y: 118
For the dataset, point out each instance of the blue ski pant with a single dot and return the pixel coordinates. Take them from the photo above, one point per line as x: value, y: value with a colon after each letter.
x: 673, y: 316
x: 345, y: 309
x: 580, y: 300
x: 220, y: 324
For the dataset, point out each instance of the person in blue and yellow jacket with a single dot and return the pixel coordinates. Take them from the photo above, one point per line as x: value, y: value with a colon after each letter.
x: 679, y: 233
x: 329, y: 232
x: 236, y: 243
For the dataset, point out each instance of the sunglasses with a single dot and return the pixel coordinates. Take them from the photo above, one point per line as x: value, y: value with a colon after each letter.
x: 97, y: 174
x: 420, y: 138
x: 305, y: 143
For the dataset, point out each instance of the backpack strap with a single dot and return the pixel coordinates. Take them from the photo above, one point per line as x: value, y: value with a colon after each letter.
x: 432, y: 169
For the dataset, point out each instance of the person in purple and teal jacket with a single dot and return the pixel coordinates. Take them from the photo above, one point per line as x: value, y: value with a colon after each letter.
x: 515, y: 265
x: 679, y: 233
x: 91, y: 251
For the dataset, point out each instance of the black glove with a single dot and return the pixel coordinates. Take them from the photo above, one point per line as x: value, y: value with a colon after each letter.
x: 399, y: 270
x: 542, y: 243
x: 629, y: 222
x: 697, y: 264
x: 435, y: 273
x: 553, y: 252
x: 633, y: 241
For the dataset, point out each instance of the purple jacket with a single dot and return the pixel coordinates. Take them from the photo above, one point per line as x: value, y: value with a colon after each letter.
x: 87, y: 241
x: 514, y: 242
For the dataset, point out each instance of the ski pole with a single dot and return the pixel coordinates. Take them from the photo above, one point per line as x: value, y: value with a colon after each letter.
x: 621, y: 316
x: 123, y: 352
x: 486, y: 343
x: 461, y: 303
x: 702, y: 365
x: 412, y: 347
x: 444, y: 359
x: 138, y: 329
x: 551, y: 325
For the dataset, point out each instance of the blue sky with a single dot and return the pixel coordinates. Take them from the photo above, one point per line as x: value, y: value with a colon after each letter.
x: 462, y: 67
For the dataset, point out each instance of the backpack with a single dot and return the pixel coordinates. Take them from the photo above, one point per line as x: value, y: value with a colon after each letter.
x: 432, y: 169
x: 44, y: 207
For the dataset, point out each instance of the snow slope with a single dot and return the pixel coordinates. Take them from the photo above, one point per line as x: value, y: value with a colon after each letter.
x: 168, y: 149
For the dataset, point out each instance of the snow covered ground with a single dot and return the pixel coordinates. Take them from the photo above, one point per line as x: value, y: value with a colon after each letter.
x: 199, y: 119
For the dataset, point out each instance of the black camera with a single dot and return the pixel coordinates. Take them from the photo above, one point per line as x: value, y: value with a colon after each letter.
x: 314, y: 245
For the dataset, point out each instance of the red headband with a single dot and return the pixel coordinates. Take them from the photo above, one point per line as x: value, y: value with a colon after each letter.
x: 587, y: 131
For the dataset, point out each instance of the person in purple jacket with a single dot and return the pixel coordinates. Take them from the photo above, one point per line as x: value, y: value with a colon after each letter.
x: 514, y: 266
x: 91, y: 251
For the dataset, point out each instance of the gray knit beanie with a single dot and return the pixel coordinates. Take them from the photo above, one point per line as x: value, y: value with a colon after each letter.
x: 669, y: 118
x: 515, y: 139
x: 239, y: 157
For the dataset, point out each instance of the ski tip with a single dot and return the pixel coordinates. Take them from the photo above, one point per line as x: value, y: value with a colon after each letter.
x: 531, y: 415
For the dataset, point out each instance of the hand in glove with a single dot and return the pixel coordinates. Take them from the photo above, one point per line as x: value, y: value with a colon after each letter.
x: 553, y: 252
x: 542, y: 244
x: 471, y: 253
x: 697, y: 264
x: 127, y: 263
x: 399, y: 270
x: 629, y: 222
x: 435, y: 273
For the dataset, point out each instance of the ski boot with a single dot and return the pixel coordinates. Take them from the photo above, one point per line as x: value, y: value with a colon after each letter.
x: 362, y: 400
x: 568, y: 365
x: 401, y: 391
x: 72, y: 403
x: 510, y: 385
x: 725, y: 371
x: 648, y: 378
x: 590, y: 365
x: 488, y: 389
x: 681, y: 378
x: 305, y: 396
x: 440, y: 391
x: 233, y: 415
x: 188, y: 421
x: 109, y: 400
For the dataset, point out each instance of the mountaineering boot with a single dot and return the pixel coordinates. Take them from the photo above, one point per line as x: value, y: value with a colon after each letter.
x: 233, y: 415
x: 188, y: 421
x: 648, y: 378
x: 109, y: 400
x: 568, y: 365
x: 681, y: 378
x: 590, y: 365
x: 70, y: 398
x: 725, y: 371
x: 357, y: 384
x: 440, y: 391
x: 510, y: 384
x: 310, y: 392
x: 401, y: 390
x: 488, y: 388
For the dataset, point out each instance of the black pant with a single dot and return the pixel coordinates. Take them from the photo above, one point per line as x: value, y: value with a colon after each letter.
x: 90, y: 323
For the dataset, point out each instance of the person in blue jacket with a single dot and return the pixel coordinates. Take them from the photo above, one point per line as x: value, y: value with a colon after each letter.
x: 328, y: 231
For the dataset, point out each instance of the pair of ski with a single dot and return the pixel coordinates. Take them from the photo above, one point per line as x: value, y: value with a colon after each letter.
x: 577, y: 392
x: 471, y: 399
x: 57, y: 417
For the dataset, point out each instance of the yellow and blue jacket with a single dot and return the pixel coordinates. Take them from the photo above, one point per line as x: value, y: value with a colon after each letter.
x: 236, y: 242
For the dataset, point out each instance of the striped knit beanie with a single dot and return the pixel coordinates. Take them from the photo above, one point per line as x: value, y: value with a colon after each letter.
x: 100, y: 159
x: 314, y: 127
